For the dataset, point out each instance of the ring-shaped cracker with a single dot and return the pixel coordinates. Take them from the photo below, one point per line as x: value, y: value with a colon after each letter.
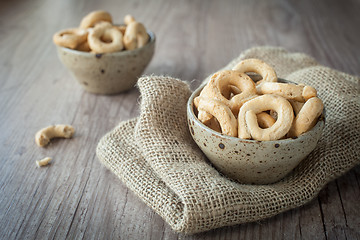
x: 247, y: 120
x: 135, y: 36
x: 222, y: 113
x: 94, y: 17
x: 296, y: 106
x: 299, y: 93
x: 70, y: 38
x: 129, y: 19
x: 265, y: 120
x: 221, y: 82
x: 257, y: 66
x: 307, y: 117
x: 104, y: 38
x: 224, y: 79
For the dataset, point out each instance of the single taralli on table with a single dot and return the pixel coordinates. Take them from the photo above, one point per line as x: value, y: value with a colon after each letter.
x: 233, y: 104
x: 97, y: 34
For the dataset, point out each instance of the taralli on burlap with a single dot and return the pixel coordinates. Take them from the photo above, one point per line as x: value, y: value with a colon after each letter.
x: 155, y: 156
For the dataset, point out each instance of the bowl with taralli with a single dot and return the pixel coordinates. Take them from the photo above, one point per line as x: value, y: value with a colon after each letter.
x: 103, y: 57
x: 255, y: 132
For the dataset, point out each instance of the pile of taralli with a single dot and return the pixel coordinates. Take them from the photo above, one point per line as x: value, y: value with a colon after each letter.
x: 233, y: 104
x: 97, y: 34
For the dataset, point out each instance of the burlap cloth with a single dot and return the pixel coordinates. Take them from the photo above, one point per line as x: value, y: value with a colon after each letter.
x: 155, y: 156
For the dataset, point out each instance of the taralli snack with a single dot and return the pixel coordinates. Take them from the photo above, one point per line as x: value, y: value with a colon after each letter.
x: 97, y: 34
x: 257, y: 66
x: 43, y: 162
x: 220, y: 84
x: 43, y: 136
x: 247, y: 120
x: 129, y: 19
x: 94, y: 17
x: 222, y: 113
x: 299, y: 93
x: 307, y: 117
x: 122, y: 29
x: 105, y: 38
x: 265, y: 111
x: 84, y: 47
x: 265, y: 120
x: 135, y: 36
x: 70, y: 38
x: 213, y: 124
x: 296, y: 106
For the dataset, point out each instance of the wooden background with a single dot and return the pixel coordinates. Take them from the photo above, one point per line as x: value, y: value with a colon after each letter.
x: 76, y: 197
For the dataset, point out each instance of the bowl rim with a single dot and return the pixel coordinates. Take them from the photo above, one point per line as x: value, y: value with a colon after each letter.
x: 126, y: 52
x: 190, y: 110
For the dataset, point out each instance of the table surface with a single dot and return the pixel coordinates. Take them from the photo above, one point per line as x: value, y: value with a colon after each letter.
x: 77, y: 197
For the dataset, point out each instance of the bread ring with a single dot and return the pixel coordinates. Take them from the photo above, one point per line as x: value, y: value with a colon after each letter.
x: 94, y: 17
x: 256, y: 65
x: 296, y: 106
x: 104, y: 38
x: 299, y: 92
x: 221, y: 85
x: 307, y: 117
x: 265, y: 120
x: 222, y: 113
x: 247, y: 121
x: 84, y: 47
x: 213, y: 124
x: 221, y: 81
x: 129, y: 19
x: 135, y: 36
x: 203, y: 116
x: 70, y: 38
x: 122, y: 29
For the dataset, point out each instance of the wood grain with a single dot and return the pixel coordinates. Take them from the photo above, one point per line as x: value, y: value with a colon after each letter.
x: 76, y: 197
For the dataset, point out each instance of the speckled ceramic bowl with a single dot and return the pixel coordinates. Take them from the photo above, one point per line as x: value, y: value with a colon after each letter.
x: 251, y: 161
x: 108, y: 73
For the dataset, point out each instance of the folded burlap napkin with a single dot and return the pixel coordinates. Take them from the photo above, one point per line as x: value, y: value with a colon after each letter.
x: 155, y: 156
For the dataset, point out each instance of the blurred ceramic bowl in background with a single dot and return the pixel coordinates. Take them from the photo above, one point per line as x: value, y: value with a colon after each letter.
x: 108, y: 73
x: 251, y: 161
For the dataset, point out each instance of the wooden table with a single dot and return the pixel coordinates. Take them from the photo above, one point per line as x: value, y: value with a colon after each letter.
x: 76, y: 197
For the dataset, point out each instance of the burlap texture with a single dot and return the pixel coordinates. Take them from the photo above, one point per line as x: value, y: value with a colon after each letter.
x: 155, y: 156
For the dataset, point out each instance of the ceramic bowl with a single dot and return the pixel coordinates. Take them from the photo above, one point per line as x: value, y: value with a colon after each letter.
x: 107, y: 73
x: 251, y: 161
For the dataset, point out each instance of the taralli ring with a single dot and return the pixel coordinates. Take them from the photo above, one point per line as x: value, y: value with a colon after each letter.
x: 105, y: 38
x: 129, y: 19
x: 94, y: 17
x: 299, y: 92
x: 248, y: 124
x: 265, y: 120
x: 222, y: 113
x: 213, y: 124
x: 296, y: 106
x: 220, y: 85
x: 257, y: 66
x: 43, y: 136
x: 70, y: 38
x: 307, y: 117
x: 135, y: 36
x: 224, y: 79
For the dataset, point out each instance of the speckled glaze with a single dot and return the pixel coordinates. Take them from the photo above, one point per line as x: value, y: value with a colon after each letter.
x: 251, y: 161
x: 107, y: 73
